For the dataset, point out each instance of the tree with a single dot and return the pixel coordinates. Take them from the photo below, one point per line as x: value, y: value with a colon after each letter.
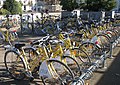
x: 13, y: 6
x: 98, y: 5
x: 69, y: 5
x: 4, y: 11
x: 21, y: 3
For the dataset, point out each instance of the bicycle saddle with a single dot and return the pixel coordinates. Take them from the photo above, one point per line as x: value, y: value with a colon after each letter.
x: 20, y: 45
x: 79, y: 35
x: 8, y: 27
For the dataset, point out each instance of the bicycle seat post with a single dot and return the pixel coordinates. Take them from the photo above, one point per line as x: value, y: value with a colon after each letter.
x: 7, y: 23
x: 21, y: 20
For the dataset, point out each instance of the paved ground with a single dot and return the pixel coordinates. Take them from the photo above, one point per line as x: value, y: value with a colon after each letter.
x: 4, y: 76
x: 112, y: 75
x: 109, y: 76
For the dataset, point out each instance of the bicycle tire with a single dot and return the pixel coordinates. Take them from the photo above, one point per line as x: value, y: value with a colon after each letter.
x: 61, y: 81
x: 76, y: 70
x: 86, y: 46
x: 111, y: 34
x: 2, y: 38
x: 31, y: 54
x: 105, y: 42
x: 17, y: 68
x: 115, y: 32
x: 83, y: 58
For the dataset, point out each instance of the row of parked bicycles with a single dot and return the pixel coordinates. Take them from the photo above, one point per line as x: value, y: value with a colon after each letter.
x: 13, y: 21
x: 66, y: 57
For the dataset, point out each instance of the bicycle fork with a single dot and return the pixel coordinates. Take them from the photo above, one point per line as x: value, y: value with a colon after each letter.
x: 27, y: 73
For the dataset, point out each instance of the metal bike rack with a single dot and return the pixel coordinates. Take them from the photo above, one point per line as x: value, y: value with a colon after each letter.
x: 113, y: 45
x: 95, y: 65
x: 89, y: 71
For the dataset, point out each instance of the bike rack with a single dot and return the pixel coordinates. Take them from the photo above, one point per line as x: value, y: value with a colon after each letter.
x: 113, y: 45
x: 101, y: 61
x: 89, y: 71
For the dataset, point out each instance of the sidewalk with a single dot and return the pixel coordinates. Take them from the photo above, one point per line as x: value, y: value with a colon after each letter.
x: 110, y: 75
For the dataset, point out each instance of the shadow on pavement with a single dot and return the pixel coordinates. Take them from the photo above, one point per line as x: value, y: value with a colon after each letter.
x: 5, y: 78
x: 112, y: 75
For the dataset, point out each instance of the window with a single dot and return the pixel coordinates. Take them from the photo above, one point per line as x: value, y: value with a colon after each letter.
x: 24, y: 7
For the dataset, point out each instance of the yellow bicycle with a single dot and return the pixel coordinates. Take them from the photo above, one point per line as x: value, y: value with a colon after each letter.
x: 18, y: 65
x: 7, y: 36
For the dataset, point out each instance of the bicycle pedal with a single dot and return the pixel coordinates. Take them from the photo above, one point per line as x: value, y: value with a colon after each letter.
x: 31, y: 79
x: 29, y: 76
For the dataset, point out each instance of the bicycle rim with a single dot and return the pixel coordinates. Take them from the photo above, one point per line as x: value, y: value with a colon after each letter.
x: 14, y: 65
x: 64, y: 77
x: 73, y: 65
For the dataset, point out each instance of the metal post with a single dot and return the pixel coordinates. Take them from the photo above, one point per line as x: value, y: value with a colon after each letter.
x: 7, y: 23
x: 42, y: 19
x: 32, y: 24
x: 21, y: 26
x: 104, y: 60
x: 111, y: 50
x: 7, y: 27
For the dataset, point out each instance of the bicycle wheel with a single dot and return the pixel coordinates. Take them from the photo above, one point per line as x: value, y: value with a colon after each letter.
x: 31, y: 54
x: 73, y: 65
x: 115, y: 33
x: 37, y: 31
x: 104, y: 42
x: 89, y: 48
x: 64, y: 73
x: 82, y: 58
x: 14, y: 65
x: 2, y: 38
x: 111, y: 34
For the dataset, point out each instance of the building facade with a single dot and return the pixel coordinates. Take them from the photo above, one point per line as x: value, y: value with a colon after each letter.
x: 50, y: 5
x: 1, y: 3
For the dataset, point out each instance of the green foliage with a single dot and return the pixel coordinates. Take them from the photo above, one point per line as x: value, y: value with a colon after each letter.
x: 21, y: 3
x: 110, y: 4
x: 69, y: 5
x: 4, y: 11
x: 13, y: 6
x: 98, y: 5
